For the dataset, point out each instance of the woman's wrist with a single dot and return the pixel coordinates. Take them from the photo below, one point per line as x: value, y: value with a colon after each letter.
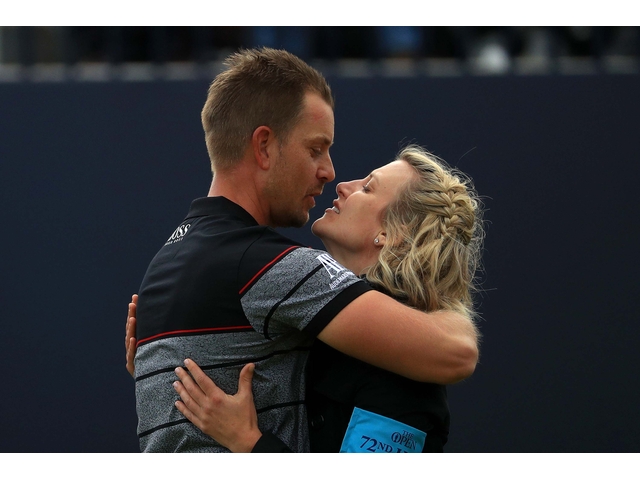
x: 247, y: 442
x: 269, y: 443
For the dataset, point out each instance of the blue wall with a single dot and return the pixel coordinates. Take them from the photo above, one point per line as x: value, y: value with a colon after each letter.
x: 94, y: 178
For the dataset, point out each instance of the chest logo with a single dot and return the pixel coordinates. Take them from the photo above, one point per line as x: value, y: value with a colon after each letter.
x: 178, y: 234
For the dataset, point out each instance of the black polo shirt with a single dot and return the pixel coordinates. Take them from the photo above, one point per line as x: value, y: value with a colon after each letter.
x: 226, y: 291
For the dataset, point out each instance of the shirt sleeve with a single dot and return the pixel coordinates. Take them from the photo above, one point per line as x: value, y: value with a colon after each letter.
x: 303, y: 289
x: 269, y: 443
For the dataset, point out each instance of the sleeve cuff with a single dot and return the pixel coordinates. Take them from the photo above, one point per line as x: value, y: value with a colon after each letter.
x: 335, y: 306
x: 269, y: 443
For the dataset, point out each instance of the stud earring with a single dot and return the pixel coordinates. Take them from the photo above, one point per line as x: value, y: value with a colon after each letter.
x: 377, y: 240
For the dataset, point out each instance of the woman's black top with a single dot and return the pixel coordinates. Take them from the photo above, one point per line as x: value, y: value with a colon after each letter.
x: 354, y: 406
x: 338, y: 384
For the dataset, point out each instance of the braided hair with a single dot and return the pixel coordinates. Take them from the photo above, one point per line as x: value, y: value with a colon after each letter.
x: 434, y: 236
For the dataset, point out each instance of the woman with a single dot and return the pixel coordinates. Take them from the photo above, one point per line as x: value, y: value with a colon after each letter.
x: 413, y: 230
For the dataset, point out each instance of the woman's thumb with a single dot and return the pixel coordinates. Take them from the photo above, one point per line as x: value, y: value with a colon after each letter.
x: 246, y: 377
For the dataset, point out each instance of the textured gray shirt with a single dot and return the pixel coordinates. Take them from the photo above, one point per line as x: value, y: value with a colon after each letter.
x: 225, y: 291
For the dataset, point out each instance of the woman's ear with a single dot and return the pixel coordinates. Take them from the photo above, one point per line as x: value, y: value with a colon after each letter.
x: 380, y: 239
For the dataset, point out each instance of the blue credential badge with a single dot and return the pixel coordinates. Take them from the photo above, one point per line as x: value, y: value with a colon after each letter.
x: 372, y: 433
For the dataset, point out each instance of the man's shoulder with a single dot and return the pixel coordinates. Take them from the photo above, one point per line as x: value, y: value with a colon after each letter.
x: 301, y: 287
x: 273, y: 251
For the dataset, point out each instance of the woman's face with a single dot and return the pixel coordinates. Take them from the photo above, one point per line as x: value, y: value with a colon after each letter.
x: 354, y: 222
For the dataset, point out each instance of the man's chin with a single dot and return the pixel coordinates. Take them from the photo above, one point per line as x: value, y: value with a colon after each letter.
x: 294, y: 221
x: 301, y: 223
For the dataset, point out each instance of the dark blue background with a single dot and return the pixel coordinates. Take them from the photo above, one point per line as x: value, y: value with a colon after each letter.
x: 95, y: 176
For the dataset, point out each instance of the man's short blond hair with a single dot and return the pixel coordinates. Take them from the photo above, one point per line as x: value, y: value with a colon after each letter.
x: 260, y: 87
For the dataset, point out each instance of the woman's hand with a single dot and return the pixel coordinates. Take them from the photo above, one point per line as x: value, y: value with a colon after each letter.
x: 130, y: 335
x: 231, y: 420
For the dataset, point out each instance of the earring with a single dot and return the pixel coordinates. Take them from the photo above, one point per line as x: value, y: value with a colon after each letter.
x: 377, y: 240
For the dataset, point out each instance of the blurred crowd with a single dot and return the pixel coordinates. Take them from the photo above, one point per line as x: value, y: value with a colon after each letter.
x: 496, y: 49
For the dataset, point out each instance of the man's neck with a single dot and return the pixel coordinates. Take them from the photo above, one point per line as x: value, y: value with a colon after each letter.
x: 242, y: 190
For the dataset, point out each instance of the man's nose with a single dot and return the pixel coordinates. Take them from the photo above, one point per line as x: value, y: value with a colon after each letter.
x: 326, y: 171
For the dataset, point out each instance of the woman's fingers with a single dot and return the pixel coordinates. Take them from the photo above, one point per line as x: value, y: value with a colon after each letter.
x: 230, y: 419
x: 245, y: 381
x: 207, y: 386
x: 130, y: 335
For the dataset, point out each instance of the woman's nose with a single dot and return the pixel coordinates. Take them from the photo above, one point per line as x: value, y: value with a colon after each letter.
x: 343, y: 190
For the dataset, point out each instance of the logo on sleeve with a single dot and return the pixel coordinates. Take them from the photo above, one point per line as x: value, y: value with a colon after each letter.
x: 178, y: 234
x: 337, y: 273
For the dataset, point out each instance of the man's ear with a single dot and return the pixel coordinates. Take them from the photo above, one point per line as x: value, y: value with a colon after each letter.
x: 262, y: 142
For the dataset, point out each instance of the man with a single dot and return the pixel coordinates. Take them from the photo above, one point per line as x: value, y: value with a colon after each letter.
x: 226, y: 289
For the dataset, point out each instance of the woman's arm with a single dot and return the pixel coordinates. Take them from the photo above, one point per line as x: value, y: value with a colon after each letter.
x: 130, y: 335
x: 231, y: 420
x: 435, y: 347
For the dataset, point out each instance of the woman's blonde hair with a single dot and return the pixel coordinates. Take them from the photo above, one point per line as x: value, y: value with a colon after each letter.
x: 434, y: 236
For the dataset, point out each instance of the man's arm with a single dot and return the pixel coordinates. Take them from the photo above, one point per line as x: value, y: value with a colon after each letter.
x: 438, y: 347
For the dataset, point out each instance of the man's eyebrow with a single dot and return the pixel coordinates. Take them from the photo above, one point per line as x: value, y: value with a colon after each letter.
x: 322, y: 138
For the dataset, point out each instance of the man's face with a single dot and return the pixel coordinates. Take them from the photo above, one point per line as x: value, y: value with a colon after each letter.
x: 303, y: 165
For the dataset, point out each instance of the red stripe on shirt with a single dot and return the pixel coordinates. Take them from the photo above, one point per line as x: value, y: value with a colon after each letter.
x: 265, y: 267
x: 198, y: 330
